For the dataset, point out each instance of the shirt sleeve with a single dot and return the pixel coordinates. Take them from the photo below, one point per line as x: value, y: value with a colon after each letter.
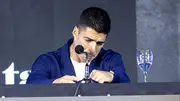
x: 117, y: 67
x: 40, y: 72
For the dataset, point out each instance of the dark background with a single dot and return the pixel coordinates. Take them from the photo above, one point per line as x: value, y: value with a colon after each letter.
x: 29, y: 28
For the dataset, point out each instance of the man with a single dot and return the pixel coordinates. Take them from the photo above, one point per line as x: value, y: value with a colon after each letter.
x: 66, y: 66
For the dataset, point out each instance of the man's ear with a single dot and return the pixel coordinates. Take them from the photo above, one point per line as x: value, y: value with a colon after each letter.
x: 75, y: 31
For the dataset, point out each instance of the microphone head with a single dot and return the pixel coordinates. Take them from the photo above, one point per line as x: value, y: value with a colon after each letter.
x: 79, y: 49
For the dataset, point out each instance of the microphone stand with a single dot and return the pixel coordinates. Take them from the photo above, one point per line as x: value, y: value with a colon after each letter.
x: 87, y: 77
x: 79, y: 49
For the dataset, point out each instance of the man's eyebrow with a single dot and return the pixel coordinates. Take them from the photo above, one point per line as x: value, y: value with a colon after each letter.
x: 89, y: 38
x: 94, y: 40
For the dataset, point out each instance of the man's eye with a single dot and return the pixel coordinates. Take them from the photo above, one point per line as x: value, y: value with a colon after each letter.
x: 99, y: 43
x: 88, y: 40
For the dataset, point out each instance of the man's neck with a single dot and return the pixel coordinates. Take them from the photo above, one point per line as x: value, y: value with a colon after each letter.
x: 73, y: 54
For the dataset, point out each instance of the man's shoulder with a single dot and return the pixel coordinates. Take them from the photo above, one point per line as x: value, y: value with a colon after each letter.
x: 50, y: 56
x: 109, y: 54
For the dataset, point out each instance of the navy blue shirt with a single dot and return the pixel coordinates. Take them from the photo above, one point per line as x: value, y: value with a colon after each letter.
x: 53, y: 65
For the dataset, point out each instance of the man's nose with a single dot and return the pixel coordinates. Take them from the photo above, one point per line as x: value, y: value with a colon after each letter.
x: 93, y: 47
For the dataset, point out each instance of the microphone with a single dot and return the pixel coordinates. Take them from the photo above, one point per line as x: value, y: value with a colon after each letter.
x: 79, y: 49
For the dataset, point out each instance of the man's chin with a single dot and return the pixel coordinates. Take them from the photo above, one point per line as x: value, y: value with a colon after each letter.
x: 84, y: 60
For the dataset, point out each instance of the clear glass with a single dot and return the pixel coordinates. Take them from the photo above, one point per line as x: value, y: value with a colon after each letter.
x: 144, y: 61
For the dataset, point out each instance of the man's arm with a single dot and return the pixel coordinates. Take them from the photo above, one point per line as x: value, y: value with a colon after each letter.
x: 117, y: 67
x: 116, y: 74
x: 40, y: 72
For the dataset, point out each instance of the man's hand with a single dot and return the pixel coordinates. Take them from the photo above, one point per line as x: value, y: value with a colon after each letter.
x: 66, y: 79
x: 101, y: 76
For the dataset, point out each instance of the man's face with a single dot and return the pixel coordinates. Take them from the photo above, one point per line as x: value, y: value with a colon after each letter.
x: 91, y: 40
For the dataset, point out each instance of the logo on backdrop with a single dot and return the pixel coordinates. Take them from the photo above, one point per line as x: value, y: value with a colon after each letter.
x: 10, y: 73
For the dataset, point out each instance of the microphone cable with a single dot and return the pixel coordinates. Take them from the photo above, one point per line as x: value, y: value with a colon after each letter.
x: 77, y: 89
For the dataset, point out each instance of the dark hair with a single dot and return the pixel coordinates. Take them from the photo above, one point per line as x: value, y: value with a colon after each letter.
x: 95, y: 18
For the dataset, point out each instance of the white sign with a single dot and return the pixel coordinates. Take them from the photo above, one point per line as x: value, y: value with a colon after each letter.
x: 10, y: 75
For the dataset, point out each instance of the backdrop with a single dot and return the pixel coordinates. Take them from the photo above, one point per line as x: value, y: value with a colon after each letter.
x: 158, y: 29
x: 29, y: 28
